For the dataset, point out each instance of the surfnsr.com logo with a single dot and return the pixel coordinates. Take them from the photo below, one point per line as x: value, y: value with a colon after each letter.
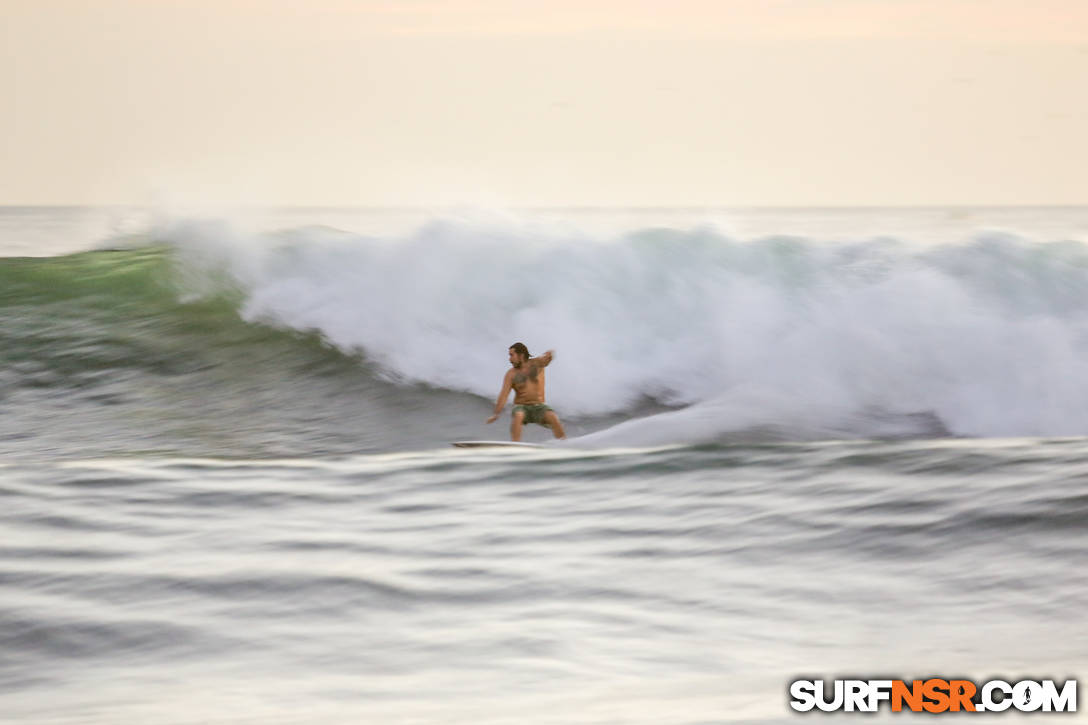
x: 933, y: 695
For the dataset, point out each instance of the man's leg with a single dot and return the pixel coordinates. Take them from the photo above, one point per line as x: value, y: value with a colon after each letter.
x: 552, y: 420
x: 515, y: 425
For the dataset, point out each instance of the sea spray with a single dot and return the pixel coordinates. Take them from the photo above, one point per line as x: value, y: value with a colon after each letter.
x: 988, y: 337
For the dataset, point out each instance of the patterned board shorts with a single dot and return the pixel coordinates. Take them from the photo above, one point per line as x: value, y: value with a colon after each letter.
x: 533, y: 413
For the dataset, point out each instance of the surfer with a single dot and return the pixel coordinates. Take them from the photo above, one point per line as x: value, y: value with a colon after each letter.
x: 526, y: 378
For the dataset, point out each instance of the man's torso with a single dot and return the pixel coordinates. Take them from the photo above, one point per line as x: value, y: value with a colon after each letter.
x: 528, y: 384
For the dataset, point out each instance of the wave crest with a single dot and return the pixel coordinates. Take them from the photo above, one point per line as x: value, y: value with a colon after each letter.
x: 988, y: 337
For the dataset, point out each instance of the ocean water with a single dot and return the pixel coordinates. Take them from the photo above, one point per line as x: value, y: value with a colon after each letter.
x: 815, y: 443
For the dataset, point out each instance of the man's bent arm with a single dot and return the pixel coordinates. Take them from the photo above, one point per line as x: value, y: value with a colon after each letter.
x: 544, y: 359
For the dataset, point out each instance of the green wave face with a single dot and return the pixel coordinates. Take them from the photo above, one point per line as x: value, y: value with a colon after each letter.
x: 101, y: 352
x: 68, y: 320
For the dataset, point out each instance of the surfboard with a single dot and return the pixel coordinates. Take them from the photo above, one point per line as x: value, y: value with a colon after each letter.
x: 495, y: 444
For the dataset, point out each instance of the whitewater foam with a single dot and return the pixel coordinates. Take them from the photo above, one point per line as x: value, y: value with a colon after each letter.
x: 988, y: 337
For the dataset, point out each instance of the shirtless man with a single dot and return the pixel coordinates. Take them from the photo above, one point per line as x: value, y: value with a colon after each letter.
x: 526, y: 377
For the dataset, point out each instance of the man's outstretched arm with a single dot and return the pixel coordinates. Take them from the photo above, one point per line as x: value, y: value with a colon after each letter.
x: 507, y: 384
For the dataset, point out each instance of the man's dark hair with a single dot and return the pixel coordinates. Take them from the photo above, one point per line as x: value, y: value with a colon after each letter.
x: 520, y: 349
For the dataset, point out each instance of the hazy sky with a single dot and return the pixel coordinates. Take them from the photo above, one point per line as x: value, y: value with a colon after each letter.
x: 566, y: 102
